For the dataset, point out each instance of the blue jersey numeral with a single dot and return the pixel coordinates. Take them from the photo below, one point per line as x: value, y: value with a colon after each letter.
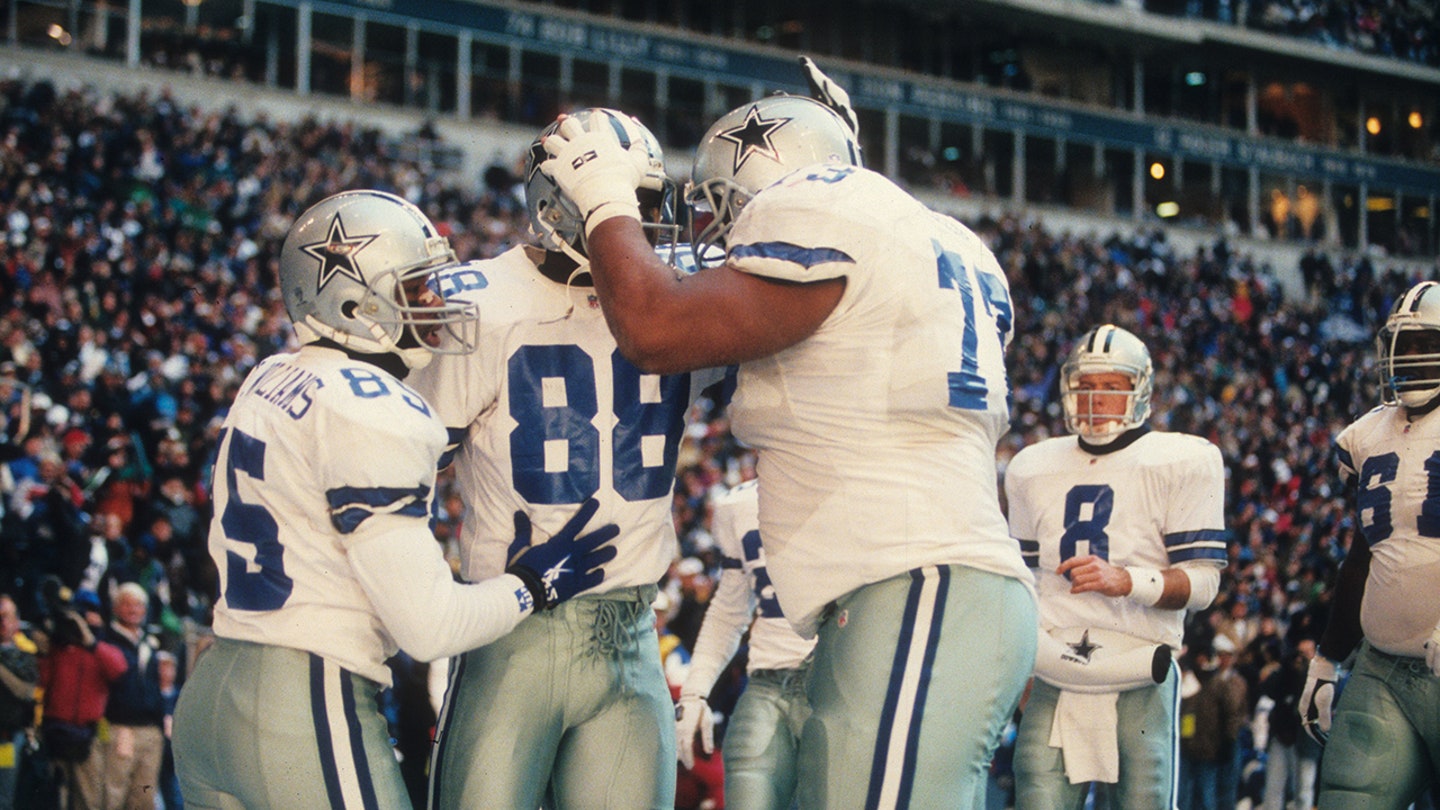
x: 1377, y: 476
x: 369, y: 385
x: 268, y: 587
x: 553, y: 402
x: 968, y: 387
x: 1079, y: 526
x: 764, y: 592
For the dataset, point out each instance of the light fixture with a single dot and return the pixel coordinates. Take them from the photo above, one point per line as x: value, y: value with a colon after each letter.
x: 1416, y: 120
x: 1157, y: 170
x: 1165, y: 210
x: 1372, y: 125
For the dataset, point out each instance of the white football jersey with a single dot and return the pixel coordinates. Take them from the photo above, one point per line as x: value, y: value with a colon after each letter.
x: 735, y: 521
x: 315, y: 444
x: 547, y: 413
x: 1157, y: 503
x: 876, y: 434
x: 1393, y: 463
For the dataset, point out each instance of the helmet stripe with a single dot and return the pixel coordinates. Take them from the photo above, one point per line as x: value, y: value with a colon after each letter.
x: 1418, y: 293
x: 620, y: 131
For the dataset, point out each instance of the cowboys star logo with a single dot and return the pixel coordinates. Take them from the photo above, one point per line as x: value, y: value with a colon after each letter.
x: 1083, y: 649
x: 753, y: 137
x: 337, y: 253
x: 538, y: 155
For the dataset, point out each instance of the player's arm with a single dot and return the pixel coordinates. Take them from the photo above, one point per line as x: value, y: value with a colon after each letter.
x: 726, y: 618
x: 431, y: 616
x: 662, y: 323
x: 718, y: 317
x: 426, y: 611
x: 1173, y: 588
x: 1342, y: 631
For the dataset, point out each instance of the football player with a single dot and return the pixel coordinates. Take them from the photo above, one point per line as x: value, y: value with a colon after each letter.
x: 1386, y: 724
x: 871, y: 333
x: 323, y: 487
x: 572, y: 709
x: 764, y: 730
x: 1124, y: 527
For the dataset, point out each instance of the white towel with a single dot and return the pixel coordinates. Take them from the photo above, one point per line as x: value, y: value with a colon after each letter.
x: 1084, y: 731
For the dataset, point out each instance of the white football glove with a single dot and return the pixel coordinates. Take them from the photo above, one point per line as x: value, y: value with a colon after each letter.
x: 594, y: 171
x: 693, y: 714
x: 1432, y: 651
x: 1318, y: 700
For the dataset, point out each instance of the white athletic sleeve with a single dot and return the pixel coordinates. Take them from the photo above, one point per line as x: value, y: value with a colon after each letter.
x: 726, y: 619
x: 1204, y: 585
x: 431, y: 616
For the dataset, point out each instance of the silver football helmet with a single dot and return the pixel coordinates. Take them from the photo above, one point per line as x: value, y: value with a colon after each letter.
x: 1409, y: 348
x: 555, y: 221
x: 354, y: 269
x: 1104, y: 349
x: 753, y: 146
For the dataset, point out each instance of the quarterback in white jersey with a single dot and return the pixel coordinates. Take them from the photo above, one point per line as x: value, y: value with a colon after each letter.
x: 871, y: 334
x: 547, y: 413
x: 1386, y: 722
x: 1116, y: 501
x: 763, y: 734
x: 323, y: 484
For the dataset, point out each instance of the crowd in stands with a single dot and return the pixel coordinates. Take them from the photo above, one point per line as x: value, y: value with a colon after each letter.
x: 137, y: 274
x: 1399, y: 29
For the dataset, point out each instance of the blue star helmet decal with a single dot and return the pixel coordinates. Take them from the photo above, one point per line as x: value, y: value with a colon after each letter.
x: 753, y: 136
x: 337, y: 254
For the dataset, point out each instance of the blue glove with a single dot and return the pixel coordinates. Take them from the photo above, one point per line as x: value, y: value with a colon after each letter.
x: 566, y: 564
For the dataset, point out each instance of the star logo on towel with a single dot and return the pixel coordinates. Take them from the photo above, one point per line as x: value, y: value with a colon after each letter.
x: 1083, y: 649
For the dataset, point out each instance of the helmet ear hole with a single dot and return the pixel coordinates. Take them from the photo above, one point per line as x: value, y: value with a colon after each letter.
x: 348, y: 308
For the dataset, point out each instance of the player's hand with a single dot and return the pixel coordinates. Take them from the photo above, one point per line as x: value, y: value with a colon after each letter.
x: 693, y: 714
x: 566, y: 564
x: 1317, y: 701
x: 1090, y: 573
x: 594, y: 171
x: 1432, y: 651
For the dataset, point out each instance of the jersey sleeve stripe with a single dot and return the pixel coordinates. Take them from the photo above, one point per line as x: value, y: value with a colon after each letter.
x: 453, y: 437
x: 351, y: 506
x: 795, y: 254
x: 730, y: 562
x: 1347, y: 462
x: 1206, y: 544
x: 1030, y: 552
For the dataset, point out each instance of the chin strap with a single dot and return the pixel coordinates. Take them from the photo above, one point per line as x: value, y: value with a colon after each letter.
x: 581, y: 269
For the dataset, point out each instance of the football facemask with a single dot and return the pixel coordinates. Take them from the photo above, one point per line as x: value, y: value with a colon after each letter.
x: 1106, y: 350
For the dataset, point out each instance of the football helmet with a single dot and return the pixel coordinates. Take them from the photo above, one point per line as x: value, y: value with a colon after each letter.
x: 554, y: 219
x: 1409, y: 348
x: 753, y: 146
x: 345, y: 267
x: 1104, y: 349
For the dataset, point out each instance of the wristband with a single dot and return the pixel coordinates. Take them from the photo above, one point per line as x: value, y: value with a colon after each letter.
x: 609, y: 210
x: 1147, y: 585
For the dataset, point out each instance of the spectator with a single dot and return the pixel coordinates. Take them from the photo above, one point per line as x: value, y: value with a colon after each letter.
x: 1291, y: 758
x: 1212, y: 709
x: 76, y: 672
x: 19, y: 673
x: 169, y: 671
x: 136, y: 707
